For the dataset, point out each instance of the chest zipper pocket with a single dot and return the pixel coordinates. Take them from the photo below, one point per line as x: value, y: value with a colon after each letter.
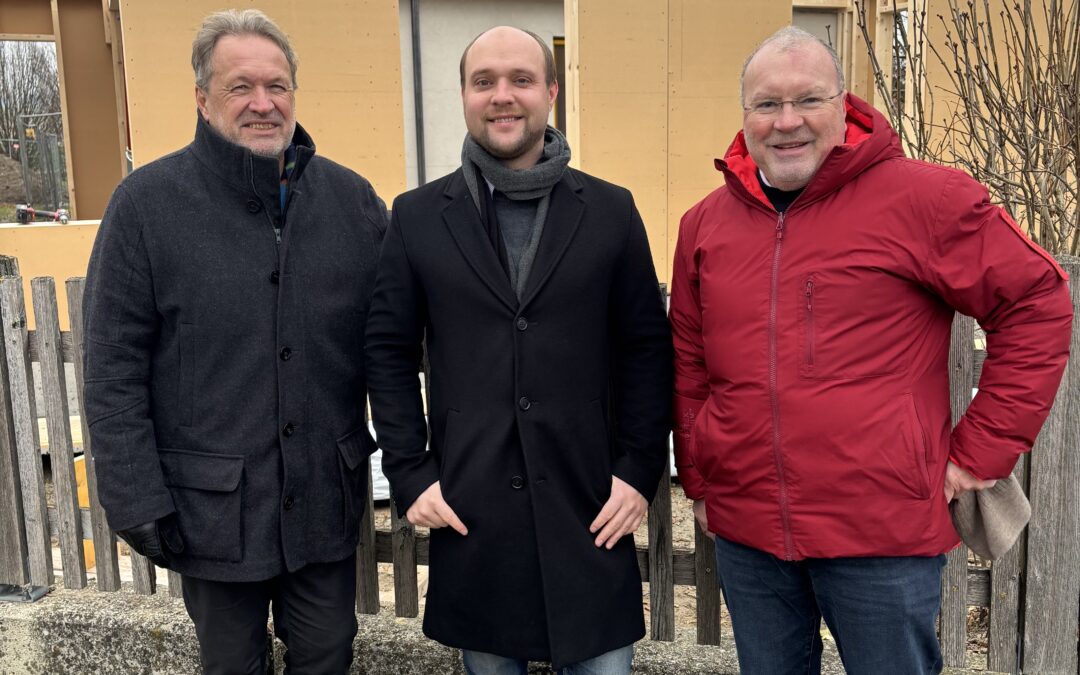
x: 809, y: 292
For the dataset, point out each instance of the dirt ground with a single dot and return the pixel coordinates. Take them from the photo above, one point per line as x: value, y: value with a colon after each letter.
x: 11, y: 183
x: 11, y: 188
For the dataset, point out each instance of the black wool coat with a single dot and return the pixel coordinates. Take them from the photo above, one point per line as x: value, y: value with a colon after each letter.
x: 224, y: 369
x: 534, y: 406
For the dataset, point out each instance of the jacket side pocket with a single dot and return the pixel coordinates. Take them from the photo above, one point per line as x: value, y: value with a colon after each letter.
x: 186, y: 385
x: 917, y: 442
x: 354, y: 448
x: 206, y: 492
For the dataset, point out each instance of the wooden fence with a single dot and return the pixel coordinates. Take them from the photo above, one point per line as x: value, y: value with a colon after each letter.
x: 1032, y: 593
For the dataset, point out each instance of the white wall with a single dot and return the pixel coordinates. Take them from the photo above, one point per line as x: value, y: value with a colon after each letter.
x: 446, y: 26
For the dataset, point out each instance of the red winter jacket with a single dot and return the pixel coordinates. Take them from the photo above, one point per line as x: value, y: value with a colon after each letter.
x: 811, y: 381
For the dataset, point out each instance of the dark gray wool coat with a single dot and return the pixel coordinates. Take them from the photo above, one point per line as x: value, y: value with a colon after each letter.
x: 224, y: 370
x: 534, y: 406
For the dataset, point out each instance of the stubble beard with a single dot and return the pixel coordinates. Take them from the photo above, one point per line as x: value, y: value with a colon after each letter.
x: 529, y: 139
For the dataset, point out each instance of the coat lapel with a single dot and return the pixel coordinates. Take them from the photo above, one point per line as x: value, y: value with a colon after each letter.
x: 463, y: 221
x: 563, y: 217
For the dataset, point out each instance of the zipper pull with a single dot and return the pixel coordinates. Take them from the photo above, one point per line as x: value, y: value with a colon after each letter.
x: 809, y: 295
x: 780, y: 227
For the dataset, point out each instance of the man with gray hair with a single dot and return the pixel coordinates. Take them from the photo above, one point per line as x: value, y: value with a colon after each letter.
x: 226, y: 302
x: 811, y: 305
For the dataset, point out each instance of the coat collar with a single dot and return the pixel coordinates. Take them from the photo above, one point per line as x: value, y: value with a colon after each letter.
x: 463, y: 221
x: 239, y: 167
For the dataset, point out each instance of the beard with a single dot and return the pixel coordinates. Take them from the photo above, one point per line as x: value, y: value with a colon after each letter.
x: 514, y: 149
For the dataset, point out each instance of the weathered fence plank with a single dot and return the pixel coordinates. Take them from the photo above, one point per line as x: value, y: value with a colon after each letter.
x: 176, y: 588
x: 24, y: 418
x: 58, y: 422
x: 67, y: 346
x: 1005, y: 575
x: 106, y: 561
x: 367, y: 568
x: 708, y: 589
x: 406, y: 593
x: 143, y: 574
x: 953, y: 622
x: 13, y: 568
x: 661, y: 577
x: 1052, y: 584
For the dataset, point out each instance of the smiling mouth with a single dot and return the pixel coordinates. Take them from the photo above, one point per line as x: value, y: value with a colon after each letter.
x: 790, y: 146
x: 505, y: 119
x: 261, y: 126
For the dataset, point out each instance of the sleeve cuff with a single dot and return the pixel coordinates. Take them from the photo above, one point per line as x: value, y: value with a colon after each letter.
x: 644, y: 479
x: 408, y: 489
x: 692, y: 482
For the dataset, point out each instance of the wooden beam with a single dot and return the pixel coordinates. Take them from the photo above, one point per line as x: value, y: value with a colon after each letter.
x: 72, y: 208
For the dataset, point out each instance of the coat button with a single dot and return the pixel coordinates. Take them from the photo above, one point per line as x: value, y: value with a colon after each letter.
x: 522, y: 324
x: 253, y: 206
x: 517, y: 482
x: 524, y: 403
x: 288, y: 429
x: 286, y: 353
x: 274, y: 276
x: 288, y: 502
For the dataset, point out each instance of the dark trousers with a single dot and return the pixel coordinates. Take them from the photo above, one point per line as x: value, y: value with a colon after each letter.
x: 881, y: 611
x: 314, y: 617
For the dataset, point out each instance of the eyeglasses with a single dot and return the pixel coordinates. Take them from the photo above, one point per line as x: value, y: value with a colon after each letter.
x: 808, y: 105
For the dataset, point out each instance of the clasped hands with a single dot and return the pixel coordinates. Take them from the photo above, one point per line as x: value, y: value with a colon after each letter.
x: 620, y: 515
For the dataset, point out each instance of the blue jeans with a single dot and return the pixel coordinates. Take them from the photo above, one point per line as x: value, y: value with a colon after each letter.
x: 880, y: 611
x: 615, y: 662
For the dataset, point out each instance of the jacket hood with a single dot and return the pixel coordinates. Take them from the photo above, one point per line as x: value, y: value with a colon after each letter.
x: 869, y: 139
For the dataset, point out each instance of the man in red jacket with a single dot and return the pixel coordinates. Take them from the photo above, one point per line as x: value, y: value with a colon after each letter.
x: 812, y: 299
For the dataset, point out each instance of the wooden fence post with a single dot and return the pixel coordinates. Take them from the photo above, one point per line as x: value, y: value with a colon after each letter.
x: 707, y: 585
x: 24, y: 417
x: 12, y: 530
x: 1005, y: 575
x: 1052, y: 582
x: 143, y: 574
x: 106, y: 561
x: 58, y: 420
x: 661, y: 562
x: 406, y: 593
x: 176, y: 588
x: 367, y: 565
x: 954, y: 578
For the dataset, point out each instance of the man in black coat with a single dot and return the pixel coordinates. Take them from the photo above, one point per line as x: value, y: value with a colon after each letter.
x: 550, y: 359
x: 226, y: 301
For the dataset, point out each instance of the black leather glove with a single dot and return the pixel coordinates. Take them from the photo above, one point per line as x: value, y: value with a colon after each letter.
x: 159, y: 540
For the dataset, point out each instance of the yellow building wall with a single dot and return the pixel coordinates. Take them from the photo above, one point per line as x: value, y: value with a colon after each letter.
x: 49, y: 250
x: 653, y: 97
x: 349, y: 75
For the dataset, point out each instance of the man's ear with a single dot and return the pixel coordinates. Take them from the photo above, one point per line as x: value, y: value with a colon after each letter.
x: 200, y: 102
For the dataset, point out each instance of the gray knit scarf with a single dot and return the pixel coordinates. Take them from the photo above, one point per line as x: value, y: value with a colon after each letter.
x: 519, y: 184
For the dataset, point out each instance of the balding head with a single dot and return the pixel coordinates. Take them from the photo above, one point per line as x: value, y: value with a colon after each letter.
x: 550, y: 73
x: 787, y: 39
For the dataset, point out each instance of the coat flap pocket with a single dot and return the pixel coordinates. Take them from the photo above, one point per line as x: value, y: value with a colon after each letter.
x: 201, y: 470
x: 356, y: 446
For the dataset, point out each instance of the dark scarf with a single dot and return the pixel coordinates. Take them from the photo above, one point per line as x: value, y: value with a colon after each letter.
x: 535, y: 182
